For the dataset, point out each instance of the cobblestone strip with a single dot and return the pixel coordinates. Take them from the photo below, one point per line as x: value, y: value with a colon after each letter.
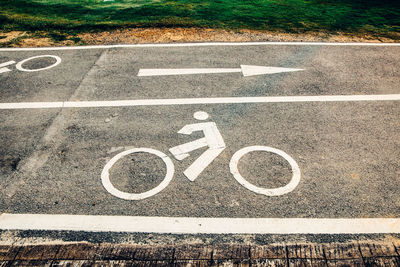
x: 87, y: 254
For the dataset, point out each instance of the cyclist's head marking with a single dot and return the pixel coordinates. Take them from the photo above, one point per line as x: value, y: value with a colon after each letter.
x: 200, y: 115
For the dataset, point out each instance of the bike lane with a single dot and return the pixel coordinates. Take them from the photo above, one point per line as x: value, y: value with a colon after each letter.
x: 342, y: 175
x: 347, y: 151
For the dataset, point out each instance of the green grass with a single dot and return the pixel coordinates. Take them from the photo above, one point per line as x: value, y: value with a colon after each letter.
x: 359, y: 16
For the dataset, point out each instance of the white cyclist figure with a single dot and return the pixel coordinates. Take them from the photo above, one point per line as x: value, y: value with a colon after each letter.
x: 215, y: 145
x: 212, y: 138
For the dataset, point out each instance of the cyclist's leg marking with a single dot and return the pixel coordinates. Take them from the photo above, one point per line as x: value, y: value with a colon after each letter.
x: 233, y: 165
x: 19, y: 65
x: 201, y: 163
x: 212, y: 138
x: 3, y: 66
x: 105, y: 175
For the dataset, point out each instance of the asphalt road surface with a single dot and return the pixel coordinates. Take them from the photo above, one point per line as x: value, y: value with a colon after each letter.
x: 309, y: 145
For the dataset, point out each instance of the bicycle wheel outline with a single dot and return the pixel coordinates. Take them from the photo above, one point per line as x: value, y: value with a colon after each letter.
x: 19, y: 64
x: 105, y: 176
x: 233, y: 165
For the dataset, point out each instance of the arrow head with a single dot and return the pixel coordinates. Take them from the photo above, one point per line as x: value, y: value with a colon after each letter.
x: 2, y: 70
x: 249, y: 70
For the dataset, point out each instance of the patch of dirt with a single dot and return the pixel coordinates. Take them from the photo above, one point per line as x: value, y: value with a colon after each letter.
x: 42, y: 42
x: 181, y: 35
x: 10, y: 36
x: 167, y: 35
x: 33, y: 42
x: 24, y: 39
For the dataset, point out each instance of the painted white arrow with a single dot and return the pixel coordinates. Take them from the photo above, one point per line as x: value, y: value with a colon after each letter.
x: 3, y: 65
x: 247, y: 70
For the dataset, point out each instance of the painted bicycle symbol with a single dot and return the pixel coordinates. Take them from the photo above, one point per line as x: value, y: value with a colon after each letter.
x: 19, y: 65
x: 215, y: 143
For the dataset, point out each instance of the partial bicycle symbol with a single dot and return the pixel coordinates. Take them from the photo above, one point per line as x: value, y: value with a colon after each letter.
x: 19, y: 65
x: 215, y: 143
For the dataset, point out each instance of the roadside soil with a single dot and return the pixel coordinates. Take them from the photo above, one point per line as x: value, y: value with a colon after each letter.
x: 171, y: 35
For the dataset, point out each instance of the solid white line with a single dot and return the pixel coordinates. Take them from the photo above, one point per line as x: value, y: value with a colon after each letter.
x: 193, y: 45
x: 191, y: 225
x: 199, y: 101
x: 29, y: 105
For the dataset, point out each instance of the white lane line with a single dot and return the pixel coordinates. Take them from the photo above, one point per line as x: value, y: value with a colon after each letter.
x: 29, y: 105
x: 194, y: 45
x: 199, y: 101
x: 191, y: 225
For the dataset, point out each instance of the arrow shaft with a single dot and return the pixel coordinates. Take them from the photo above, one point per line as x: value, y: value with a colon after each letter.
x: 3, y: 65
x: 162, y: 72
x: 7, y: 63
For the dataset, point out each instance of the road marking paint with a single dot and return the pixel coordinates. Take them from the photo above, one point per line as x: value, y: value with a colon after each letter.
x: 191, y: 225
x: 105, y: 175
x: 233, y: 165
x: 119, y: 148
x: 5, y: 64
x: 200, y: 101
x: 167, y: 72
x: 212, y: 139
x: 194, y: 45
x: 246, y: 70
x: 19, y: 65
x: 182, y: 151
x: 3, y: 70
x: 249, y: 70
x: 200, y: 115
x: 31, y: 105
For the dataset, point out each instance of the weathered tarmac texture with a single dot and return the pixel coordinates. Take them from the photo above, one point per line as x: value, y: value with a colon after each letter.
x: 348, y: 152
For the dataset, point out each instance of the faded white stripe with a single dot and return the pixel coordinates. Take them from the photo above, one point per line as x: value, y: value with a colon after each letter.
x: 199, y: 101
x: 183, y: 225
x: 194, y: 45
x: 29, y: 105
